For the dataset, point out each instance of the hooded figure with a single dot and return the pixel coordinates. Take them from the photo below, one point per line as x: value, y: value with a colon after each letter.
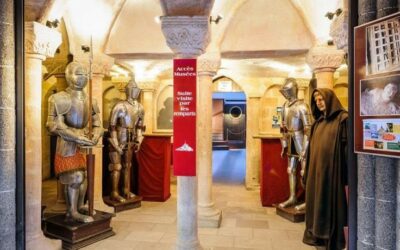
x: 326, y: 173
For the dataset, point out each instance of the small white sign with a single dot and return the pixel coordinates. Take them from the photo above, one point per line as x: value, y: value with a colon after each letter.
x: 225, y: 86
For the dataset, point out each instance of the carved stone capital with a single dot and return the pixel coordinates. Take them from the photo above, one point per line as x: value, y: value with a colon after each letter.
x: 186, y: 36
x: 149, y: 85
x: 41, y: 40
x: 324, y: 58
x: 209, y: 63
x: 101, y: 64
x: 339, y: 31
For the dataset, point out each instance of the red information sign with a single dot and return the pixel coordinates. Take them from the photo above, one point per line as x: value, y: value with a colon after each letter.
x: 184, y: 149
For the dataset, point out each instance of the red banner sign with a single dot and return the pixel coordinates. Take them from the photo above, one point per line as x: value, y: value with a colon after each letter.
x: 184, y: 149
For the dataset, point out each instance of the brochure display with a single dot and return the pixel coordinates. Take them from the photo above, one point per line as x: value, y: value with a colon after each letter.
x: 376, y: 90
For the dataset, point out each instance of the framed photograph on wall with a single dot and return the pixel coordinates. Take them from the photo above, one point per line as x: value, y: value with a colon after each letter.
x: 383, y: 46
x: 380, y: 96
x: 377, y: 87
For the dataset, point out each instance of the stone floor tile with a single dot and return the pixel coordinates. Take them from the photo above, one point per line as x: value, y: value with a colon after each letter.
x: 240, y: 232
x: 207, y: 231
x: 145, y: 236
x: 257, y: 243
x: 252, y: 223
x: 216, y: 240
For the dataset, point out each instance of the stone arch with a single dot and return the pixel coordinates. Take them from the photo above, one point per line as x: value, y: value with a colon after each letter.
x: 271, y: 100
x: 163, y: 108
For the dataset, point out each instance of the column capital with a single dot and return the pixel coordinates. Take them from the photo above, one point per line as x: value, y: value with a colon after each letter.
x: 41, y: 40
x: 339, y: 30
x: 209, y: 63
x: 147, y: 86
x: 324, y: 58
x: 187, y: 36
x: 101, y: 64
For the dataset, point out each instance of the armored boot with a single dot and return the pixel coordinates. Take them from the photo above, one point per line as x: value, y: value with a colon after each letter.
x: 292, y: 198
x: 127, y: 182
x: 115, y: 176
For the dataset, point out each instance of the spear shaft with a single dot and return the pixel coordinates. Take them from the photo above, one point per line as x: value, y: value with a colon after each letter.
x: 90, y: 158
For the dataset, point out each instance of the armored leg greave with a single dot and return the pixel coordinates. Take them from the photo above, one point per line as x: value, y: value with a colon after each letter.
x: 292, y: 166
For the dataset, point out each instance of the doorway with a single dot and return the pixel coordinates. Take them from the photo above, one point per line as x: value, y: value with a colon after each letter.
x: 229, y: 137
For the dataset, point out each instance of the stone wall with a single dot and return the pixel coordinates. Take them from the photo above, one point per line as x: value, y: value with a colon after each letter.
x: 7, y: 126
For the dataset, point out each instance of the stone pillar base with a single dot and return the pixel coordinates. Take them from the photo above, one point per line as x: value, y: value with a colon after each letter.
x: 42, y: 243
x: 253, y: 187
x: 210, y: 221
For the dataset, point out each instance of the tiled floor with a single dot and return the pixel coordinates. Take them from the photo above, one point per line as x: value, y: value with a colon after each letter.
x: 245, y: 223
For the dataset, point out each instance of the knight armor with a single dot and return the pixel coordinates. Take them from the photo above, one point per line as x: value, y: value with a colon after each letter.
x: 126, y: 128
x: 295, y: 129
x: 68, y: 116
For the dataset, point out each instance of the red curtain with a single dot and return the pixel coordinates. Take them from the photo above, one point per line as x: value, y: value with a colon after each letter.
x: 154, y: 159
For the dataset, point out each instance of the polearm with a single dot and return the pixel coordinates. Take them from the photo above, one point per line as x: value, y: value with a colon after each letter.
x: 90, y: 157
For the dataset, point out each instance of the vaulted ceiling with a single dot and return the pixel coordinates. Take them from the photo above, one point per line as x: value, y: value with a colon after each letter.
x: 252, y: 33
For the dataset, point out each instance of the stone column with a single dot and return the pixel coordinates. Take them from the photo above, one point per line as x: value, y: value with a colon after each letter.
x: 385, y: 204
x: 208, y: 65
x: 100, y: 68
x: 366, y: 11
x: 302, y: 93
x: 366, y: 202
x: 187, y: 37
x: 385, y: 7
x: 7, y: 126
x: 324, y: 60
x: 61, y: 84
x: 40, y: 42
x: 253, y: 146
x: 148, y: 89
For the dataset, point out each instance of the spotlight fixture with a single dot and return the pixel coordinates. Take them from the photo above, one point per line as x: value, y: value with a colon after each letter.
x: 52, y: 24
x: 217, y: 19
x: 85, y: 48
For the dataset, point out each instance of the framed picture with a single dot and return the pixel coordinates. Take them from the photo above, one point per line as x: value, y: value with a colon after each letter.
x: 383, y: 46
x: 380, y: 96
x: 381, y: 135
x: 277, y: 118
x: 377, y: 87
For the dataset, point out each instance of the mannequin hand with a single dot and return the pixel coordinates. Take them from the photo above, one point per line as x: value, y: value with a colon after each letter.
x: 84, y: 141
x: 283, y: 152
x: 136, y: 147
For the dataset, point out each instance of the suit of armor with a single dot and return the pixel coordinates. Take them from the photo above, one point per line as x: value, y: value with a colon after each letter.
x: 296, y: 124
x: 68, y: 116
x: 126, y: 127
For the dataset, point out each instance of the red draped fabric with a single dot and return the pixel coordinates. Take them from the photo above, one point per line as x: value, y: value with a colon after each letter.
x: 154, y: 159
x: 274, y: 178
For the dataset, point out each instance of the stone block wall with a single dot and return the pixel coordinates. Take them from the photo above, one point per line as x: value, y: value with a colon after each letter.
x: 7, y: 126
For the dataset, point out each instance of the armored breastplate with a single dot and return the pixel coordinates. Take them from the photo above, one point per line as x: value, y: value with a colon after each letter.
x: 78, y: 115
x: 131, y: 116
x: 292, y: 117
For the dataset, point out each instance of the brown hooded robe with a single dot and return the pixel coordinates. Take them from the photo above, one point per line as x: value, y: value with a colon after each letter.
x: 326, y: 175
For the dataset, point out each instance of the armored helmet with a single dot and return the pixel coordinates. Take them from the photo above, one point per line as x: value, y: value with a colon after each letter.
x: 289, y: 89
x: 76, y: 75
x: 132, y: 90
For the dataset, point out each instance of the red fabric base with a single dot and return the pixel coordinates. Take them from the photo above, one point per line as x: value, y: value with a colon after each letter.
x: 154, y: 160
x: 274, y: 178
